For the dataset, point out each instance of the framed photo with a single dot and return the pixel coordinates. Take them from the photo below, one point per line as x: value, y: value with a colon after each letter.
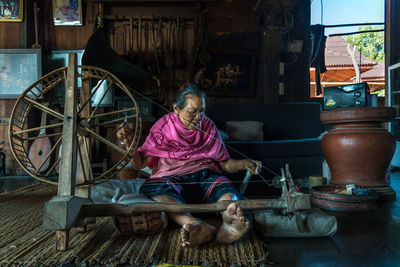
x: 229, y: 73
x: 67, y: 12
x: 19, y: 68
x: 11, y: 10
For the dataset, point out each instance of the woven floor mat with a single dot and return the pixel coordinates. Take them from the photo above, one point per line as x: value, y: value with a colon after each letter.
x: 24, y: 242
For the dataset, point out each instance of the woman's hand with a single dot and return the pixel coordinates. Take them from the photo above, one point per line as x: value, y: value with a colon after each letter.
x: 234, y: 165
x: 252, y: 166
x: 125, y: 132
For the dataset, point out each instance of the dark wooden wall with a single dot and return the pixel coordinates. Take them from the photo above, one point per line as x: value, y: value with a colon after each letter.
x: 235, y: 16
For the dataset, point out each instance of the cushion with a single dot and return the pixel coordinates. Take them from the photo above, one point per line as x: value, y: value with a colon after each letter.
x: 126, y: 192
x: 304, y: 223
x: 245, y: 130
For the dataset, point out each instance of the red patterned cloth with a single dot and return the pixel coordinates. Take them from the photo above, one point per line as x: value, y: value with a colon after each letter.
x: 141, y: 222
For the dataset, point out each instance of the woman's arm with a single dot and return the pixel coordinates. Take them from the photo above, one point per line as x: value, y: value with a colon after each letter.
x: 139, y: 161
x: 234, y: 165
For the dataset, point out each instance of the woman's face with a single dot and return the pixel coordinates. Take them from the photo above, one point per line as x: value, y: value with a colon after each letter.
x: 193, y: 113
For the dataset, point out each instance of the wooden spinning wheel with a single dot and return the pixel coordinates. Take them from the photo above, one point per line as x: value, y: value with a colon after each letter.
x: 79, y: 122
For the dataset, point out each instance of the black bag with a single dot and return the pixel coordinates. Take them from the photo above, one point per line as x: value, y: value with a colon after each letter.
x: 345, y: 96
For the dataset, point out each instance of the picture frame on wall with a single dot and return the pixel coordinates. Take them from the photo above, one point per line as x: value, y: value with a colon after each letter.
x: 67, y: 12
x: 19, y: 69
x: 228, y: 73
x: 11, y: 10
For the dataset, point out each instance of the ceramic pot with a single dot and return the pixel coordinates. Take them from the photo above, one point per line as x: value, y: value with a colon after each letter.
x: 358, y: 149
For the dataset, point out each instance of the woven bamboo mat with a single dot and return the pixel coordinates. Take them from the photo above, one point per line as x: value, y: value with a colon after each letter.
x: 23, y: 242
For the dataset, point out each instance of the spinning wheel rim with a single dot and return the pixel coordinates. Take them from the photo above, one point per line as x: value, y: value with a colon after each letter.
x: 28, y: 100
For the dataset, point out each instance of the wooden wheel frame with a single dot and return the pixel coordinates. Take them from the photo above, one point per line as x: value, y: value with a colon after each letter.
x: 87, y: 120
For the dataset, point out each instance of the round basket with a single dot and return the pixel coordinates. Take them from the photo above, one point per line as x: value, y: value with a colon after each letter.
x: 325, y: 197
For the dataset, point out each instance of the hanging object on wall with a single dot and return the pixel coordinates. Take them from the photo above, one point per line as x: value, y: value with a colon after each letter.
x: 141, y: 60
x: 119, y: 40
x: 157, y: 46
x: 100, y: 16
x: 67, y: 13
x: 35, y: 14
x: 169, y: 58
x: 11, y: 11
x: 131, y: 53
x: 179, y: 61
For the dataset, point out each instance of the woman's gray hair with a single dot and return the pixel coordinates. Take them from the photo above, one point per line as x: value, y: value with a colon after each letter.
x: 187, y: 89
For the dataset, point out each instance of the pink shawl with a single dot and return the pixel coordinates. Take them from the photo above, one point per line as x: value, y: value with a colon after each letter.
x: 168, y: 138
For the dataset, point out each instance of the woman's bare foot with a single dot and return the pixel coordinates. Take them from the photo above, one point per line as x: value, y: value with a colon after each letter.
x: 234, y: 226
x: 197, y: 233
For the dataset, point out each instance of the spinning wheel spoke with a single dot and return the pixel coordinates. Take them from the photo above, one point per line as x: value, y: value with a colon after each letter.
x: 55, y: 163
x: 113, y: 112
x: 45, y: 109
x: 92, y: 94
x: 42, y: 136
x: 53, y: 149
x: 87, y: 156
x: 37, y: 129
x: 101, y: 99
x: 117, y: 120
x: 53, y: 167
x: 82, y: 165
x: 105, y: 141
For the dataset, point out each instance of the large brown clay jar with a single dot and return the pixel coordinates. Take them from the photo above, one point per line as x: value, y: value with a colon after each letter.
x: 358, y: 149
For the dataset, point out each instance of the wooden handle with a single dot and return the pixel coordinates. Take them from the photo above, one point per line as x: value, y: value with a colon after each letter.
x: 131, y: 32
x: 140, y: 35
x: 35, y: 9
x: 100, y: 210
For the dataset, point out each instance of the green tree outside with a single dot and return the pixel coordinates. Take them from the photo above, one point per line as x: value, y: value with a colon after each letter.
x: 371, y: 43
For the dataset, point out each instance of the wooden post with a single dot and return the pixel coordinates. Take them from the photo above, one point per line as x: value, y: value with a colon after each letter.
x: 62, y: 240
x: 66, y: 180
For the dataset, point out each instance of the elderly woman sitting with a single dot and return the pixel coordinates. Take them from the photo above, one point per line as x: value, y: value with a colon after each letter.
x: 188, y: 156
